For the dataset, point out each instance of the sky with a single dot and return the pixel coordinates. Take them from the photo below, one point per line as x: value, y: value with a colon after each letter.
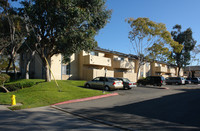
x: 114, y: 36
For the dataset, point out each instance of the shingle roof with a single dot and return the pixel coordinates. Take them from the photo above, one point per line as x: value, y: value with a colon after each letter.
x: 192, y: 68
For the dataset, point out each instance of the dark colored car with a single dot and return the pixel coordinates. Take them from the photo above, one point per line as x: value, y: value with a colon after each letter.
x: 175, y: 80
x: 194, y: 80
x: 127, y: 84
x: 152, y: 80
x: 188, y: 81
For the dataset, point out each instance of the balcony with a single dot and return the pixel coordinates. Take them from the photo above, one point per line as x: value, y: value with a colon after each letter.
x: 89, y: 74
x: 161, y: 69
x: 97, y: 60
x: 130, y: 75
x: 122, y: 64
x: 172, y: 71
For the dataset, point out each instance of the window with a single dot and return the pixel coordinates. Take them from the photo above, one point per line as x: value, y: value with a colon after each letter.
x: 66, y: 69
x: 141, y: 74
x: 94, y: 53
x: 121, y: 58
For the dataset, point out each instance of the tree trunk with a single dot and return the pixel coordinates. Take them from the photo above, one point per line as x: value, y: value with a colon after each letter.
x: 47, y: 71
x: 4, y: 88
x: 14, y: 68
x: 138, y: 69
x: 48, y: 78
x: 179, y: 68
x: 28, y: 65
x: 8, y: 67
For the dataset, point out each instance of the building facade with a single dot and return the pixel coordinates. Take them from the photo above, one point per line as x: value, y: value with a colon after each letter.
x: 99, y: 62
x: 192, y: 71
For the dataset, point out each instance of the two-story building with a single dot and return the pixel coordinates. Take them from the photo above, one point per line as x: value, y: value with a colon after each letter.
x: 99, y: 62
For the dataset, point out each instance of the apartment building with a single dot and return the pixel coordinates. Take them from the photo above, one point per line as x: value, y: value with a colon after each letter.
x: 99, y: 62
x: 158, y: 68
x: 84, y: 65
x: 192, y: 71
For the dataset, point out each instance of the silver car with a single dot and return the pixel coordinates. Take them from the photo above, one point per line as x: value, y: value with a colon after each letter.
x: 105, y: 83
x: 127, y: 83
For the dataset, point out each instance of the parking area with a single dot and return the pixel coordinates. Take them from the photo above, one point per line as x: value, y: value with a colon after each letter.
x: 145, y: 108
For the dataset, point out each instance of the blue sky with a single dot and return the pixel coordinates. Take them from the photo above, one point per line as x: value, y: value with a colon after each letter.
x: 114, y: 35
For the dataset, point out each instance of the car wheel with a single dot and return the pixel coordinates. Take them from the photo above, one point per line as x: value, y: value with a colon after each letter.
x: 107, y: 88
x: 87, y: 86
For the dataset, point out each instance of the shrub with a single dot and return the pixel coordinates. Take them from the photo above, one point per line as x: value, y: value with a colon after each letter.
x: 19, y: 85
x: 4, y: 78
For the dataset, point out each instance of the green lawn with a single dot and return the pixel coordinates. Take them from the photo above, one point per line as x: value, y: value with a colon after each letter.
x: 47, y: 93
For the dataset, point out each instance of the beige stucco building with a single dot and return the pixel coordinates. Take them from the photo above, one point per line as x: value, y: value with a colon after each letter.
x: 99, y: 62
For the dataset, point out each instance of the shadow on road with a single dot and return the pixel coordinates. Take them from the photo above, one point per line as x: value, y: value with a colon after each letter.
x: 178, y: 111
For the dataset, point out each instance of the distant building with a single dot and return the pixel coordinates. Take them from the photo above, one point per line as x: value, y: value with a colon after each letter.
x: 192, y: 71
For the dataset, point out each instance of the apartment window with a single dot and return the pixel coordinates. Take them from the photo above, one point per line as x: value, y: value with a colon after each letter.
x: 66, y: 69
x: 94, y: 53
x: 141, y: 74
x: 121, y: 58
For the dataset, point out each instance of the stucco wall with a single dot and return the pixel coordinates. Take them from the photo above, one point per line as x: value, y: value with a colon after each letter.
x: 56, y: 66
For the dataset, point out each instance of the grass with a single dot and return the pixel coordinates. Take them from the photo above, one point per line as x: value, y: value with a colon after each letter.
x: 47, y: 93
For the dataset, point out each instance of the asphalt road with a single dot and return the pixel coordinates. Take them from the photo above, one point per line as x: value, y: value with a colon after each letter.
x: 144, y: 108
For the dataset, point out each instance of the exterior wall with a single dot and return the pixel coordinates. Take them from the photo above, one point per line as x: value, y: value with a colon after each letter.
x: 56, y: 67
x: 87, y: 65
x: 37, y: 68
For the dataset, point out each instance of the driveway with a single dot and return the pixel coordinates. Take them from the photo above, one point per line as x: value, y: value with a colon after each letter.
x: 144, y: 108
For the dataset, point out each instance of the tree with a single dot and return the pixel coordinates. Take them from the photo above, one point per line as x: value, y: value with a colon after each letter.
x: 12, y: 34
x: 147, y: 37
x: 65, y: 26
x: 194, y: 54
x: 184, y: 38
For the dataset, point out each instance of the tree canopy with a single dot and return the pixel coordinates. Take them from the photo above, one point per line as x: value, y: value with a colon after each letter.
x: 148, y: 39
x: 184, y: 38
x: 65, y: 26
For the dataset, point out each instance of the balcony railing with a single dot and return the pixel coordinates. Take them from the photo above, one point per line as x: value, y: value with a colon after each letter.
x: 122, y: 64
x: 97, y: 60
x: 161, y: 69
x: 172, y: 70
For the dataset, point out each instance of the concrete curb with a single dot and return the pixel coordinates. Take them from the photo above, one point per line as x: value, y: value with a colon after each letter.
x: 86, y: 99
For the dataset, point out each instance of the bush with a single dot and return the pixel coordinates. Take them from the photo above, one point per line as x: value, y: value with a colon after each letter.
x: 4, y: 78
x: 19, y: 85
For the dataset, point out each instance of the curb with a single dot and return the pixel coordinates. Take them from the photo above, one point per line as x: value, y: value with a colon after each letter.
x: 86, y: 99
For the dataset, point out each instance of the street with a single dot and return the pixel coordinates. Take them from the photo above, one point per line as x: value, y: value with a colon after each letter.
x: 141, y: 108
x: 146, y: 108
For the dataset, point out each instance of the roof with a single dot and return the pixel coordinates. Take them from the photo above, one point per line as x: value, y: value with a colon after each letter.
x: 192, y: 68
x: 116, y: 52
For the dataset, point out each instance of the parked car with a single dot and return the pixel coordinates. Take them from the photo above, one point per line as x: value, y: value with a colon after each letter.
x: 104, y: 83
x: 187, y: 81
x: 152, y: 80
x: 175, y: 80
x: 194, y: 80
x: 127, y: 84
